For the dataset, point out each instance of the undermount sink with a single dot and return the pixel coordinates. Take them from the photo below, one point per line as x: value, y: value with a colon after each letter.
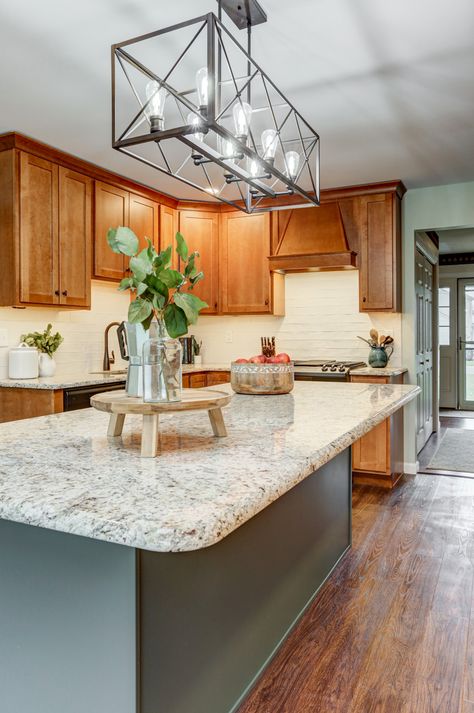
x: 110, y: 372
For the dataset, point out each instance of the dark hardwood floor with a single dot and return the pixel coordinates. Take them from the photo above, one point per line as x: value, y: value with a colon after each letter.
x: 392, y: 630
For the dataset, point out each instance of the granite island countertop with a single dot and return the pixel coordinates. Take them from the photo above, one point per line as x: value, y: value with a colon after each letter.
x: 379, y: 371
x: 60, y: 472
x: 70, y: 380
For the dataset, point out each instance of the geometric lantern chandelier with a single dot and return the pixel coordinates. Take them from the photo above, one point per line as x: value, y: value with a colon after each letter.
x: 190, y: 101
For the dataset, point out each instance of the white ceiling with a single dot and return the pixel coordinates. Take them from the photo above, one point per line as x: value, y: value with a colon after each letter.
x: 389, y: 86
x: 457, y: 240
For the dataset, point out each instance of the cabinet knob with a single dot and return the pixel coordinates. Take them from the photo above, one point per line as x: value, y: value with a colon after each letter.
x: 364, y: 299
x: 56, y: 292
x: 215, y: 305
x: 65, y: 293
x: 266, y: 301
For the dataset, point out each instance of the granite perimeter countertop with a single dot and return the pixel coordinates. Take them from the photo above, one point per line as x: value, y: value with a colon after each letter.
x: 384, y: 371
x: 73, y: 380
x: 60, y: 472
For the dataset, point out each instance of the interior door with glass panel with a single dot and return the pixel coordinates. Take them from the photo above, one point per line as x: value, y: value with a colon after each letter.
x: 466, y: 343
x: 447, y: 331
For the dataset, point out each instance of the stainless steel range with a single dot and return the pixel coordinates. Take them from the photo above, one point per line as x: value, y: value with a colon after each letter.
x: 324, y: 370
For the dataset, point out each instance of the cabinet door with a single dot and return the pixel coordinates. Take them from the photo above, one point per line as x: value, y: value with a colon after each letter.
x: 75, y: 235
x: 143, y: 219
x: 371, y: 453
x: 200, y: 230
x: 168, y: 230
x: 380, y: 254
x: 245, y: 282
x: 111, y: 210
x: 38, y: 249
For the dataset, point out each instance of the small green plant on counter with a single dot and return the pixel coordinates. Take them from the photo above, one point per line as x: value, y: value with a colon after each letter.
x: 161, y: 292
x: 44, y: 342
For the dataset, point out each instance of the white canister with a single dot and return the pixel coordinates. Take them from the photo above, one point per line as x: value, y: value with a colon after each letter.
x: 23, y: 362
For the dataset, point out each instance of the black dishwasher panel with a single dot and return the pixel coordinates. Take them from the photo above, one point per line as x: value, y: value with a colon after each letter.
x: 80, y: 396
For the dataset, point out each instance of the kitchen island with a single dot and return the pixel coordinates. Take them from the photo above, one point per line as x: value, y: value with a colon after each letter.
x: 165, y: 585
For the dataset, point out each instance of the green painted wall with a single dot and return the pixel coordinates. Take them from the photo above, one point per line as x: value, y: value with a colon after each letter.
x: 450, y: 206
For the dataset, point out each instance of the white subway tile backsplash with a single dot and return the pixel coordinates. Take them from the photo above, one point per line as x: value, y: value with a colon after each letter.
x: 83, y: 331
x: 322, y: 320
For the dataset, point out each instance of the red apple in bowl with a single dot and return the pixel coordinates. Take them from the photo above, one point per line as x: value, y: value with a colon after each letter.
x: 241, y: 361
x: 259, y: 359
x: 282, y: 358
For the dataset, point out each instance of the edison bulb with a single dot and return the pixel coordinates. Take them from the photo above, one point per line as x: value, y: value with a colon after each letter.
x: 242, y: 113
x: 156, y: 97
x: 255, y: 169
x: 194, y: 120
x: 269, y: 140
x: 202, y: 86
x: 292, y: 159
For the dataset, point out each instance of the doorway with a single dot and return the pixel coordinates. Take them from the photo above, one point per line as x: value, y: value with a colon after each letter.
x: 456, y: 343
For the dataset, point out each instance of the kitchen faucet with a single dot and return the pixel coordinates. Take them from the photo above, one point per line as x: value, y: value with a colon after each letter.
x: 108, y: 360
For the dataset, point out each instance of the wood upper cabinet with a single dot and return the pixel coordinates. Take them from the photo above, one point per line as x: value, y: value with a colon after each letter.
x: 38, y: 231
x: 75, y: 238
x: 380, y: 252
x: 45, y: 232
x: 245, y: 280
x: 168, y: 230
x: 200, y: 230
x: 144, y: 219
x: 111, y: 210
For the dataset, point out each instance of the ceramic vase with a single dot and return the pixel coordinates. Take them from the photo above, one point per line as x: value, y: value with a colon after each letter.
x: 379, y: 357
x: 47, y: 365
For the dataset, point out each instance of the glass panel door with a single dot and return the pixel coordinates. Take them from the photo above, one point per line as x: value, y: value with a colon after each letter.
x: 466, y: 344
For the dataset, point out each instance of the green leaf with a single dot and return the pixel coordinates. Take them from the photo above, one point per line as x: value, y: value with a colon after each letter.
x: 194, y: 280
x: 126, y: 284
x: 171, y: 278
x: 175, y: 321
x: 123, y: 240
x: 181, y: 247
x: 146, y: 322
x: 141, y: 288
x: 158, y: 302
x: 141, y: 266
x: 139, y: 310
x: 157, y: 286
x: 190, y: 304
x: 162, y: 259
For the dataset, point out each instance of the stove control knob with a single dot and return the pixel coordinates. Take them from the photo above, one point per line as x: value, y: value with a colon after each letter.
x: 342, y: 368
x: 334, y: 367
x: 324, y: 367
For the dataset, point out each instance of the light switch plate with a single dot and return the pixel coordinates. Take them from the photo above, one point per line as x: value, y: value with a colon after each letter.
x: 3, y: 338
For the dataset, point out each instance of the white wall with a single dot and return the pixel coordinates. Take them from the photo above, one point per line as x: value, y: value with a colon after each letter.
x: 438, y: 207
x: 83, y: 331
x: 322, y: 320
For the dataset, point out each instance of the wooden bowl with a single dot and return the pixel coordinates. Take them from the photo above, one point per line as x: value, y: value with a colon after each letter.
x: 269, y: 379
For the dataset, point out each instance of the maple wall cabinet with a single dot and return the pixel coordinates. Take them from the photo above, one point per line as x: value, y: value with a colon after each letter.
x: 115, y: 206
x: 45, y: 232
x: 201, y: 232
x: 380, y: 258
x: 246, y: 284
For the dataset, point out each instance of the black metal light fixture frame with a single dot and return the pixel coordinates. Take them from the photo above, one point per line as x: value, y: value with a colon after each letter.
x: 259, y: 194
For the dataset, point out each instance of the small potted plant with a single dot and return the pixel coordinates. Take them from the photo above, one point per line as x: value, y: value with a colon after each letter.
x: 46, y: 344
x: 163, y: 297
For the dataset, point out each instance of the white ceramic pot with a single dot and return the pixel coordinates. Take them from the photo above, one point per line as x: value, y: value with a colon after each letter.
x: 197, y: 359
x: 47, y: 365
x: 23, y: 362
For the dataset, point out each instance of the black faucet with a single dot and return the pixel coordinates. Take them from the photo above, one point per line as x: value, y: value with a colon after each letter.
x: 108, y: 360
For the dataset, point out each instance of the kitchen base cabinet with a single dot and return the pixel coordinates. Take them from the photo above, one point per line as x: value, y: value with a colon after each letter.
x: 16, y: 404
x: 197, y: 380
x: 377, y: 457
x: 117, y: 624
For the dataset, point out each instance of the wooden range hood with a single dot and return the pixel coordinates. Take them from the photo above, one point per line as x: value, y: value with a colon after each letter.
x: 312, y: 239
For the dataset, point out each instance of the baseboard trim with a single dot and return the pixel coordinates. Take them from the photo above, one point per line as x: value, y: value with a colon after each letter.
x: 411, y: 468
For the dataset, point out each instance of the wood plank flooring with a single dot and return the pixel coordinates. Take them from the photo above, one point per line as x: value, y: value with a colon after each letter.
x: 392, y: 631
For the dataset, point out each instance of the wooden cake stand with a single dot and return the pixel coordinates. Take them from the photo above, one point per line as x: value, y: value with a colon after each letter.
x: 118, y: 404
